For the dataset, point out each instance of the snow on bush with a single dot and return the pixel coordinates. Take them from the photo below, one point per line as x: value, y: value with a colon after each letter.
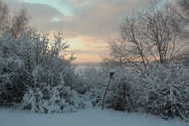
x: 52, y: 93
x: 162, y: 90
x: 120, y: 93
x: 56, y: 99
x: 165, y: 90
x: 95, y: 79
x: 33, y: 73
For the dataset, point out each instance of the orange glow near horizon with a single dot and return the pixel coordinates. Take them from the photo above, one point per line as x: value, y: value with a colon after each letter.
x: 87, y: 49
x: 87, y: 58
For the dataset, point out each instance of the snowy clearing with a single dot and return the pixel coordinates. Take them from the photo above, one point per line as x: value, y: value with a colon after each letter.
x: 83, y: 118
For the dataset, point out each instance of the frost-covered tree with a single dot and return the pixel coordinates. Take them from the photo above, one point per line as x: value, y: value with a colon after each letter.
x: 19, y: 23
x: 184, y: 4
x: 35, y: 70
x: 150, y: 36
x: 4, y: 17
x: 34, y: 73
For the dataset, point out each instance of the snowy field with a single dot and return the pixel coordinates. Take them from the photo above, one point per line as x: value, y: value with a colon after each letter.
x: 83, y: 118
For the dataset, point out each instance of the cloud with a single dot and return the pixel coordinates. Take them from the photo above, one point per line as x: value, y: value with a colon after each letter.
x: 95, y: 21
x: 92, y: 17
x: 60, y: 5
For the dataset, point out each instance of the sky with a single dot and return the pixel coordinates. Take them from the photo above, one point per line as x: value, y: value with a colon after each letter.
x: 87, y: 24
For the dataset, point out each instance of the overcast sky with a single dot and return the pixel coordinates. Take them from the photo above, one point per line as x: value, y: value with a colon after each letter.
x: 86, y: 24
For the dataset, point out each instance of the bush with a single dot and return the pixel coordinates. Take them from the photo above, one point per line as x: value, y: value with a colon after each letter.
x: 12, y: 88
x: 122, y: 94
x: 161, y: 90
x: 54, y: 99
x: 166, y: 91
x: 28, y: 62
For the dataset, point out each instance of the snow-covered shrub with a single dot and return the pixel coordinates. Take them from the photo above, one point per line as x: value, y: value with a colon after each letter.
x: 30, y: 61
x: 76, y: 82
x: 161, y: 90
x: 51, y: 93
x: 164, y: 90
x: 121, y: 93
x: 11, y: 84
x: 56, y: 99
x: 33, y: 74
x: 95, y: 80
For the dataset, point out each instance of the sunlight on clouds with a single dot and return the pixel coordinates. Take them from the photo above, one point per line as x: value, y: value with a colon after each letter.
x: 60, y: 5
x: 76, y: 43
x: 87, y: 24
x: 56, y: 19
x: 87, y: 49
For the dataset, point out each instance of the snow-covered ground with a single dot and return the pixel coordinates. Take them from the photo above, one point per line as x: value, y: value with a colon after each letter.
x: 83, y: 118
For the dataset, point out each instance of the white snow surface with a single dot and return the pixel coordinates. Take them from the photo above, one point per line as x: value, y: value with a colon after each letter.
x: 90, y: 117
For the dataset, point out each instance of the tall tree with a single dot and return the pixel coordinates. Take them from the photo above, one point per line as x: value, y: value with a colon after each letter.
x: 184, y: 4
x: 150, y: 36
x: 4, y: 16
x: 19, y: 23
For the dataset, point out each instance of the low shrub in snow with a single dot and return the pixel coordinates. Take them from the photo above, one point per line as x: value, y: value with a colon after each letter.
x: 56, y: 99
x: 95, y: 79
x: 165, y: 91
x: 161, y: 90
x: 11, y: 84
x: 121, y: 93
